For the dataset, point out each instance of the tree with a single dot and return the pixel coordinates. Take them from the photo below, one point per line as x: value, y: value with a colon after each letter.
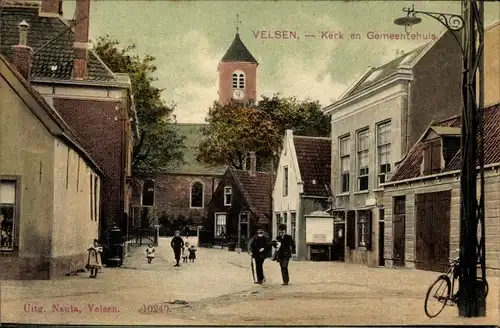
x: 234, y: 129
x: 160, y: 142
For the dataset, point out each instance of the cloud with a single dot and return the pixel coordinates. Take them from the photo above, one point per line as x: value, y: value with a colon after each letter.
x: 199, y: 88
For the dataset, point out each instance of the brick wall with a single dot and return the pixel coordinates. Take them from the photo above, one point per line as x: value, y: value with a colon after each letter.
x: 172, y: 193
x: 100, y: 130
x: 226, y: 70
x: 492, y: 217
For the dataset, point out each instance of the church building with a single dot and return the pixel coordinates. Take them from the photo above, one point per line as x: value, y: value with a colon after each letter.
x: 237, y: 74
x: 183, y: 191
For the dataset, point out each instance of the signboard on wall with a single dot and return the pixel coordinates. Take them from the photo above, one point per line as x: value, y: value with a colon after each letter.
x: 319, y: 230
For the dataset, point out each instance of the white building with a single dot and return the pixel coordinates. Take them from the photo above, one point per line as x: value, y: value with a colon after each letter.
x: 301, y: 192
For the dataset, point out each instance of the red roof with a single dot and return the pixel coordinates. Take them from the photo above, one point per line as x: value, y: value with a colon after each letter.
x: 410, y: 167
x: 314, y: 158
x: 256, y: 190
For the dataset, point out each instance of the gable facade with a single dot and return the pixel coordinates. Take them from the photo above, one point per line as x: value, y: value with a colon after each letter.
x: 50, y: 188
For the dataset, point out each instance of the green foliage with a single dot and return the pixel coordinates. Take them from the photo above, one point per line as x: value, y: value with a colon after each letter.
x: 160, y: 142
x: 235, y: 129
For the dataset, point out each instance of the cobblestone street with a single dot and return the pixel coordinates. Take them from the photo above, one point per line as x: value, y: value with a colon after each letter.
x: 219, y: 290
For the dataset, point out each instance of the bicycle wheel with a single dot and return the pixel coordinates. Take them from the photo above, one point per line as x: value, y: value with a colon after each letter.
x: 437, y: 296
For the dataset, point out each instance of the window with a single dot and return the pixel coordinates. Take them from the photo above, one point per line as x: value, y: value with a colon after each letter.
x: 363, y: 160
x: 91, y: 197
x: 432, y: 157
x: 197, y: 195
x: 96, y: 197
x: 7, y: 214
x: 293, y: 224
x: 278, y: 222
x: 238, y: 80
x: 345, y: 163
x: 228, y: 196
x: 220, y: 223
x: 285, y: 218
x: 364, y: 229
x: 399, y: 205
x: 285, y: 181
x: 384, y: 150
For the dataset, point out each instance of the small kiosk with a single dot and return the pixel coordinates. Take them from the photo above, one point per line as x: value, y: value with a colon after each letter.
x: 319, y: 236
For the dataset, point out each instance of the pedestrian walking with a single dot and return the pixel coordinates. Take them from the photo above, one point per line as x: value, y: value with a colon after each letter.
x: 150, y: 253
x: 259, y: 247
x: 177, y: 244
x: 94, y: 262
x: 284, y: 250
x: 192, y: 254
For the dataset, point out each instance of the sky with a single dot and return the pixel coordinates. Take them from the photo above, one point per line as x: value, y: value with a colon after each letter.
x: 188, y: 39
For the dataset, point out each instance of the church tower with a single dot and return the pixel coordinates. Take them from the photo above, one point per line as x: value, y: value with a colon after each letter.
x: 237, y: 73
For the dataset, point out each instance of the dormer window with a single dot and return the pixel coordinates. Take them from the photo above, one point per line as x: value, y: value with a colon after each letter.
x: 432, y: 157
x: 440, y: 147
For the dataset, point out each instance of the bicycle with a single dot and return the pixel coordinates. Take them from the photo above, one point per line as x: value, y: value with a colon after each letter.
x: 448, y: 297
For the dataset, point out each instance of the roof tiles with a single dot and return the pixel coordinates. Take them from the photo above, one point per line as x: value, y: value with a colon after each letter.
x: 257, y: 191
x: 51, y: 39
x: 314, y: 159
x: 410, y: 167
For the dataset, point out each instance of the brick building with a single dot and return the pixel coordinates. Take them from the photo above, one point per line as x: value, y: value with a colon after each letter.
x: 241, y: 204
x: 237, y: 74
x: 375, y: 123
x: 422, y: 199
x: 186, y: 189
x: 95, y: 102
x: 183, y: 190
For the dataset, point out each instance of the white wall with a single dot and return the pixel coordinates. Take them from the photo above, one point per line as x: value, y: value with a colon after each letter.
x: 74, y: 225
x: 290, y: 203
x: 364, y: 114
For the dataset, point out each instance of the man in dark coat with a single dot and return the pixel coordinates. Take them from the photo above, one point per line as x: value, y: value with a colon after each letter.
x: 259, y: 248
x: 285, y: 249
x: 177, y: 243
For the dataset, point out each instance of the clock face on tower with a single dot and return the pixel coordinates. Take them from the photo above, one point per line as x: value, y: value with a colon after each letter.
x: 238, y: 94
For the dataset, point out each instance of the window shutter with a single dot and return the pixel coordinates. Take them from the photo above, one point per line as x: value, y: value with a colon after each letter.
x: 427, y: 159
x: 436, y: 156
x: 369, y: 230
x: 351, y: 230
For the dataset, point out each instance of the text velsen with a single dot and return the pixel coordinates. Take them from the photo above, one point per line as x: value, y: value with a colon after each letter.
x: 64, y: 308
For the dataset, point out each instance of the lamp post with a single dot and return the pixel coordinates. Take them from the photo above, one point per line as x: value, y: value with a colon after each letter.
x: 472, y: 300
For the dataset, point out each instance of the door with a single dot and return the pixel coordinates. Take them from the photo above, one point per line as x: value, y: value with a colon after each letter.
x: 381, y: 237
x: 399, y: 230
x: 433, y: 231
x: 338, y: 247
x: 243, y: 230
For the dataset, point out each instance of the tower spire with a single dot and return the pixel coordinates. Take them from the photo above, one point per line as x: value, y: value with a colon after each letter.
x: 237, y: 23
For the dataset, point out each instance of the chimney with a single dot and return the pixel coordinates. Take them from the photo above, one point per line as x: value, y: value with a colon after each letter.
x: 22, y: 54
x: 51, y: 8
x: 81, y: 38
x: 253, y: 163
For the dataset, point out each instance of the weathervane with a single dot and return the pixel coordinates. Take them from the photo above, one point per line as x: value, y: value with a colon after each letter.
x: 237, y: 23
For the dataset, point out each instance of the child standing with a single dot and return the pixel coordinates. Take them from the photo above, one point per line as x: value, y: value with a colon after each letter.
x: 94, y: 259
x: 184, y: 254
x: 150, y: 253
x: 192, y: 254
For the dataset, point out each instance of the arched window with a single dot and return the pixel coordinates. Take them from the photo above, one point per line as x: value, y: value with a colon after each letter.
x: 238, y: 80
x: 197, y: 195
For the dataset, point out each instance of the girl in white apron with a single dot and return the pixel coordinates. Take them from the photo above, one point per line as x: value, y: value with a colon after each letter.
x: 94, y: 259
x: 150, y: 253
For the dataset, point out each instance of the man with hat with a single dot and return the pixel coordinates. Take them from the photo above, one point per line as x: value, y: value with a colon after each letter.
x: 259, y: 248
x: 177, y: 244
x: 285, y: 249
